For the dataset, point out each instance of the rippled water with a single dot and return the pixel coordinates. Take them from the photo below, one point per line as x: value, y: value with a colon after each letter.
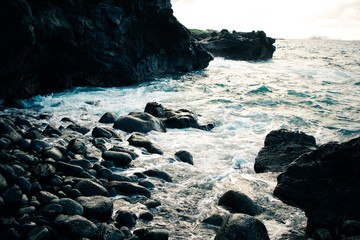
x: 309, y: 85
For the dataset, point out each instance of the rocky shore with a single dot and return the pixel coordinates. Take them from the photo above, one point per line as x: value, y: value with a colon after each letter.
x: 69, y: 183
x: 48, y: 46
x: 248, y: 46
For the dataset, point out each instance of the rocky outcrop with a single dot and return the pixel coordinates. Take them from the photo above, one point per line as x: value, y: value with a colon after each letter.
x: 249, y: 46
x: 325, y: 184
x: 282, y: 147
x: 49, y: 46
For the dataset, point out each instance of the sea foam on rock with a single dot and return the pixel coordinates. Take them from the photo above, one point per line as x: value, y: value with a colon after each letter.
x: 49, y: 46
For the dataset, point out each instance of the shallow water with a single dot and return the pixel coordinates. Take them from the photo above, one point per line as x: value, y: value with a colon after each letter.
x: 309, y: 85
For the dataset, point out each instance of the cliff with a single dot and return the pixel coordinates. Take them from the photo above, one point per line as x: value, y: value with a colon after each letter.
x: 247, y: 46
x: 48, y: 46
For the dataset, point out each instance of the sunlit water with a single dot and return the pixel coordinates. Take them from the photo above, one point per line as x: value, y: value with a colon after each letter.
x: 309, y: 85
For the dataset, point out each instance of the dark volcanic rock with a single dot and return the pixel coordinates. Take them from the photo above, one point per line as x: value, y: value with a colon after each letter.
x: 124, y: 218
x: 99, y: 132
x: 238, y: 202
x: 90, y: 188
x: 109, y: 117
x: 96, y: 43
x: 70, y: 207
x: 139, y: 122
x: 76, y: 226
x: 139, y: 140
x: 77, y: 146
x: 128, y: 189
x: 120, y: 159
x: 244, y: 227
x: 325, y: 184
x: 98, y: 207
x: 184, y: 156
x: 238, y: 45
x: 282, y: 147
x: 158, y: 174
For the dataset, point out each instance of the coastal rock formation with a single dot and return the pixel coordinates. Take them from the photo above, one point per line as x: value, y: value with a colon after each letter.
x: 249, y: 46
x: 49, y: 46
x: 325, y: 184
x: 282, y: 147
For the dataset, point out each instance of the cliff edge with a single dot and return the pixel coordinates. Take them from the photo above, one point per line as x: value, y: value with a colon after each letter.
x: 48, y: 46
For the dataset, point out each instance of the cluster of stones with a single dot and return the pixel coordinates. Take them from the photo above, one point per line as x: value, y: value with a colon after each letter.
x: 58, y: 189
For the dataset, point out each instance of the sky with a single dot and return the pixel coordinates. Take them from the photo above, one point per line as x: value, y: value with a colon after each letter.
x: 337, y: 19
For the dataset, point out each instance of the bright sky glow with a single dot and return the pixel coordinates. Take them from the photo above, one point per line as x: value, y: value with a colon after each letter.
x: 338, y: 19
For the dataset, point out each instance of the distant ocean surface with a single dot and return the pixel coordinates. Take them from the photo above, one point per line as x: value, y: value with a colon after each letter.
x: 310, y: 85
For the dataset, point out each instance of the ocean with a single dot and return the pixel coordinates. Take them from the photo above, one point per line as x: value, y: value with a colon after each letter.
x: 309, y: 85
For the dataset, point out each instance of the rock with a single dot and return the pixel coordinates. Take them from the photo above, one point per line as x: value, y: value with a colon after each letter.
x: 46, y: 197
x: 124, y: 150
x: 12, y: 196
x: 70, y: 207
x: 152, y: 204
x: 38, y: 145
x: 109, y: 232
x: 146, y: 184
x: 238, y: 202
x: 33, y: 133
x: 79, y: 129
x: 7, y: 131
x: 51, y: 130
x: 139, y: 140
x: 324, y: 183
x: 120, y: 159
x: 3, y: 183
x: 77, y: 146
x: 39, y: 233
x: 108, y: 117
x: 145, y: 234
x: 184, y: 156
x: 44, y: 171
x: 99, y: 143
x: 13, y: 103
x: 5, y: 144
x: 124, y: 218
x: 83, y: 163
x: 216, y: 220
x: 242, y: 226
x: 158, y: 174
x: 52, y: 210
x: 128, y: 189
x: 52, y: 152
x: 90, y: 188
x: 99, y: 132
x: 282, y: 147
x: 91, y: 44
x: 8, y: 173
x: 249, y: 46
x: 76, y: 226
x: 69, y: 169
x: 147, y: 216
x: 25, y: 157
x: 139, y: 122
x: 97, y: 207
x: 24, y: 184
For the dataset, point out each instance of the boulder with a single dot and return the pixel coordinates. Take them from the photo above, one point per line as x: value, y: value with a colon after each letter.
x: 184, y: 156
x: 248, y: 46
x: 90, y: 188
x: 108, y: 117
x: 99, y: 132
x: 70, y: 206
x: 282, y: 147
x: 120, y: 159
x: 325, y: 184
x: 77, y: 146
x: 90, y: 43
x: 128, y: 189
x: 124, y: 218
x: 139, y: 122
x: 7, y: 131
x: 139, y: 140
x: 79, y: 129
x: 158, y: 174
x: 238, y: 202
x: 98, y: 207
x: 76, y: 226
x: 242, y: 226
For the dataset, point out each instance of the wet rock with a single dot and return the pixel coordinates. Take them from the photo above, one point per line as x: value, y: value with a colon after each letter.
x: 97, y: 207
x: 24, y: 184
x: 52, y: 152
x: 99, y: 143
x: 128, y: 189
x: 184, y: 156
x: 139, y: 140
x: 147, y: 216
x: 146, y: 184
x: 110, y: 232
x: 12, y: 196
x: 7, y: 131
x: 242, y: 226
x: 99, y: 132
x: 120, y: 159
x: 79, y: 129
x: 33, y: 133
x: 46, y: 197
x: 83, y: 163
x: 108, y: 117
x: 238, y: 202
x: 90, y: 188
x: 3, y: 183
x: 158, y: 174
x: 5, y: 144
x: 39, y: 233
x: 281, y: 148
x: 44, y: 171
x: 70, y: 206
x: 77, y: 146
x: 145, y: 234
x: 249, y: 46
x: 25, y: 157
x: 124, y: 218
x: 76, y: 226
x: 139, y: 122
x: 8, y: 173
x: 122, y: 149
x: 324, y: 183
x: 52, y: 210
x: 38, y: 145
x: 13, y: 103
x: 69, y: 169
x: 119, y: 177
x: 51, y: 130
x: 216, y: 220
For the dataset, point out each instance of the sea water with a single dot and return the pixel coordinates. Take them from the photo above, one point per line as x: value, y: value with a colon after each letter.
x: 310, y: 85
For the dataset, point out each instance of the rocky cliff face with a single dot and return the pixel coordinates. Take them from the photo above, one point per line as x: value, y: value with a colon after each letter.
x: 49, y: 46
